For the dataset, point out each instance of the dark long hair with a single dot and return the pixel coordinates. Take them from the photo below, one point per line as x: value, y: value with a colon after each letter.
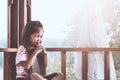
x: 30, y: 28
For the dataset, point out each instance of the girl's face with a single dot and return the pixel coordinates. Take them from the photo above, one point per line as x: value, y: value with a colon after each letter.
x: 36, y: 38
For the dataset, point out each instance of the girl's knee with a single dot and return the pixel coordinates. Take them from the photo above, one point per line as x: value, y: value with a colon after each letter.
x: 33, y: 75
x: 60, y: 74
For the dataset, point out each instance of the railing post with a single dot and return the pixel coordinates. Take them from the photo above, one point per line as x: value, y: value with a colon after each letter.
x: 63, y: 64
x: 6, y: 66
x: 84, y: 65
x: 107, y: 66
x: 13, y: 21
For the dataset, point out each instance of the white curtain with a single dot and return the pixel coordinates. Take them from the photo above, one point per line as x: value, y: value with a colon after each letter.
x: 92, y: 34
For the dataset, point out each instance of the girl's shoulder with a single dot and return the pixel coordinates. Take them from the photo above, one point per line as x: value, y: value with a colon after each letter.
x: 22, y: 49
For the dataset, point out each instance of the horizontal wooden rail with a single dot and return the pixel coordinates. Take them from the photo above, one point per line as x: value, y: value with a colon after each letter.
x: 84, y: 58
x: 83, y: 49
x: 8, y: 49
x: 65, y: 49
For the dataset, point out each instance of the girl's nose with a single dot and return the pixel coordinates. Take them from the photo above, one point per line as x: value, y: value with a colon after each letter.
x: 39, y: 40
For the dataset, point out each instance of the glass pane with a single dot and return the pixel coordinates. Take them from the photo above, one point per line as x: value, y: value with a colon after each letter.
x: 3, y: 24
x: 3, y: 32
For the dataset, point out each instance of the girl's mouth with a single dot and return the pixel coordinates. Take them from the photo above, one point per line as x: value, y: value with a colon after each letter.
x: 38, y: 43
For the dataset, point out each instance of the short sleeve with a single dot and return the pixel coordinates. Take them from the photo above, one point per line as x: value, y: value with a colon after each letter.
x: 21, y: 54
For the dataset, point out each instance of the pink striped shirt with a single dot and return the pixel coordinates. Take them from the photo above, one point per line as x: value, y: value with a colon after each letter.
x: 22, y: 55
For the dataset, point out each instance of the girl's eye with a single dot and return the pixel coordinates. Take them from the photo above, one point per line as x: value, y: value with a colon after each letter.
x: 35, y: 35
x: 38, y: 36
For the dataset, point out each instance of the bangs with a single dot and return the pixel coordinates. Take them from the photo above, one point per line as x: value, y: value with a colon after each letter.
x: 38, y: 29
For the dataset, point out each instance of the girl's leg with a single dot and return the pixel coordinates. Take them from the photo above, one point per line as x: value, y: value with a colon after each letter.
x: 36, y: 76
x: 59, y: 76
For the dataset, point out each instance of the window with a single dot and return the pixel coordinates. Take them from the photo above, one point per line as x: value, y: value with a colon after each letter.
x: 3, y: 32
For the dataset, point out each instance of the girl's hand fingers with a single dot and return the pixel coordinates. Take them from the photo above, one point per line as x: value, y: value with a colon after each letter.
x: 44, y: 49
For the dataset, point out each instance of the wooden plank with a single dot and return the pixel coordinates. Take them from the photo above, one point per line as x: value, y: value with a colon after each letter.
x: 12, y: 39
x: 8, y: 49
x: 107, y: 65
x: 63, y: 64
x: 28, y: 10
x: 84, y: 65
x: 21, y: 19
x: 83, y: 49
x: 6, y: 65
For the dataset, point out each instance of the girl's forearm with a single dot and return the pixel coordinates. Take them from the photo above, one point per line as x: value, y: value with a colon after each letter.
x: 30, y: 60
x: 45, y: 59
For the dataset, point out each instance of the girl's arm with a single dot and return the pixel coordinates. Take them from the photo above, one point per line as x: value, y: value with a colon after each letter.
x: 45, y: 59
x: 32, y: 58
x: 45, y: 56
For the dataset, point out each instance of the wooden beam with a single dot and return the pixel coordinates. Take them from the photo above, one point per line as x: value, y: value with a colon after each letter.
x: 28, y: 10
x: 107, y: 65
x: 84, y: 65
x: 83, y: 49
x: 9, y: 59
x: 63, y: 64
x: 21, y: 19
x: 6, y: 56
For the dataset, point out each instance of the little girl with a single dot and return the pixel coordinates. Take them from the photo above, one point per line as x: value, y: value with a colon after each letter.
x: 29, y: 49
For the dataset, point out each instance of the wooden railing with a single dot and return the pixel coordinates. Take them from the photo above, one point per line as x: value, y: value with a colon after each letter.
x: 84, y: 58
